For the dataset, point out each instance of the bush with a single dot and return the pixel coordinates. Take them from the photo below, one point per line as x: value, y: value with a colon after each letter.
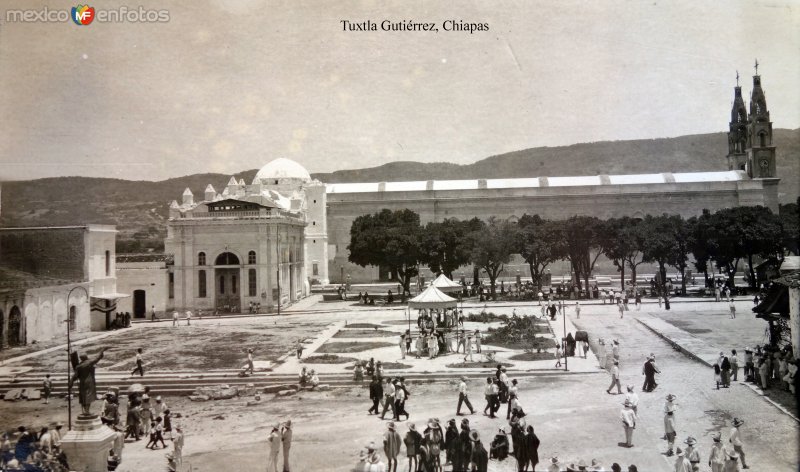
x: 520, y: 333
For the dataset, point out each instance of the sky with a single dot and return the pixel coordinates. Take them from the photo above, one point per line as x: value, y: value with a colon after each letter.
x: 225, y: 86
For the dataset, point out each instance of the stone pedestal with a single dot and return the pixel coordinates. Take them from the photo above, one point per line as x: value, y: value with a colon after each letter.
x: 87, y: 445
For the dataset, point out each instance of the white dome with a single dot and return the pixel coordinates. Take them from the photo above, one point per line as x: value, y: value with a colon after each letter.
x: 282, y: 168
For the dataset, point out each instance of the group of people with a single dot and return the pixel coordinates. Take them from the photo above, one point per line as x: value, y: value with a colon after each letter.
x: 29, y: 450
x: 770, y: 367
x: 388, y: 394
x: 431, y: 343
x: 280, y: 440
x: 121, y: 320
x: 145, y: 418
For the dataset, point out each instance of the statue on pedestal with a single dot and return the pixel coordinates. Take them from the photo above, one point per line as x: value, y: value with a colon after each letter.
x: 84, y: 373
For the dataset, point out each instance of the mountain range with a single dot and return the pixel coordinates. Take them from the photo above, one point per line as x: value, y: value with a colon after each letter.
x: 140, y: 208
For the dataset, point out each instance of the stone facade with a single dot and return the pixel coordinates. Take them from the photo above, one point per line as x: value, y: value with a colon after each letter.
x: 250, y: 244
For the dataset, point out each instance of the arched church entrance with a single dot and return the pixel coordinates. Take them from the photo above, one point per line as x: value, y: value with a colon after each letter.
x: 15, y: 337
x: 227, y: 283
x: 139, y: 303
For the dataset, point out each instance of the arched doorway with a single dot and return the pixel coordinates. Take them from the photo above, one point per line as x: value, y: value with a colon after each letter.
x: 227, y: 283
x: 15, y: 337
x: 139, y: 303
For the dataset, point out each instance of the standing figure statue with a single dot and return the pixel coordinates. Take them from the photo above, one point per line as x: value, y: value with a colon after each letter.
x: 87, y: 388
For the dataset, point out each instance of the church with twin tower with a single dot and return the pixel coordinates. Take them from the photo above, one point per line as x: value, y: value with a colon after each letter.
x: 267, y: 242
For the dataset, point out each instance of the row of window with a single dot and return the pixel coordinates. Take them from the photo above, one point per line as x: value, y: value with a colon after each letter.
x: 226, y: 258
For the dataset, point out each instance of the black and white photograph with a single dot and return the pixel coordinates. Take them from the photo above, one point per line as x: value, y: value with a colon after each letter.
x: 399, y: 236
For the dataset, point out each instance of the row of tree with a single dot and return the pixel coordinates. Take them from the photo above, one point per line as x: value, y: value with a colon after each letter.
x: 396, y: 240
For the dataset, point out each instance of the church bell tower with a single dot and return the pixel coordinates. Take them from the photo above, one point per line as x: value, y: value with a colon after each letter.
x: 760, y: 151
x: 737, y: 132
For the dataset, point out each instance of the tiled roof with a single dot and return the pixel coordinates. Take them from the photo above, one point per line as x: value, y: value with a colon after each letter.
x: 11, y: 279
x: 146, y: 257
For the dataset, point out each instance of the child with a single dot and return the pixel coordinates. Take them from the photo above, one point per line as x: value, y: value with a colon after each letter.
x: 717, y: 375
x: 558, y: 355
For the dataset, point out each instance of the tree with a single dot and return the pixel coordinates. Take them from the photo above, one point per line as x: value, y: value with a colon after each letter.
x: 540, y: 243
x: 790, y: 217
x: 492, y: 246
x: 388, y: 238
x: 445, y: 245
x: 679, y: 258
x: 582, y: 239
x: 660, y: 243
x: 699, y: 245
x: 620, y: 243
x: 745, y: 232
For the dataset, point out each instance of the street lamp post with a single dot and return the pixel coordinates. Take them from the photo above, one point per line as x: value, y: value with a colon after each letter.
x: 69, y: 354
x: 278, y: 270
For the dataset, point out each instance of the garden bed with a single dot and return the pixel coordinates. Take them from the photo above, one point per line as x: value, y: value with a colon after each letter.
x: 478, y: 365
x: 533, y: 356
x: 328, y: 359
x: 344, y: 347
x: 363, y: 333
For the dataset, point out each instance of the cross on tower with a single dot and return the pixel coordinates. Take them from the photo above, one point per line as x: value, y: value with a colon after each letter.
x: 737, y: 78
x: 756, y: 66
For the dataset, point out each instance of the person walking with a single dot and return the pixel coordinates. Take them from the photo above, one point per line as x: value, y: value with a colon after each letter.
x: 463, y: 396
x: 152, y: 313
x: 399, y: 400
x: 734, y: 365
x: 177, y: 445
x: 725, y: 368
x: 615, y: 349
x: 621, y: 308
x: 649, y: 370
x: 736, y: 441
x: 558, y: 355
x: 47, y: 388
x: 628, y: 416
x: 468, y: 349
x: 250, y: 367
x: 490, y: 393
x: 174, y: 319
x: 298, y: 347
x: 388, y: 397
x: 638, y: 301
x: 716, y: 458
x: 531, y: 449
x: 274, y: 440
x: 732, y: 308
x: 392, y: 443
x: 286, y: 440
x: 749, y: 365
x: 478, y: 341
x: 513, y: 392
x: 139, y: 364
x: 188, y: 317
x: 692, y: 454
x: 669, y: 423
x: 375, y: 394
x: 578, y: 310
x: 614, y: 379
x: 402, y: 346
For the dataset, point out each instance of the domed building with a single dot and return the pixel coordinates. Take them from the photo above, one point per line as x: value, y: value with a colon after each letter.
x: 257, y: 245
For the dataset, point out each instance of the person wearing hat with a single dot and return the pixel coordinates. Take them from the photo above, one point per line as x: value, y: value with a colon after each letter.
x: 479, y: 458
x: 555, y: 465
x: 499, y: 447
x: 490, y: 393
x: 596, y: 467
x: 629, y: 418
x: 692, y: 454
x: 413, y: 441
x: 391, y: 447
x: 463, y: 396
x: 434, y: 439
x: 649, y: 370
x: 286, y: 440
x: 55, y: 434
x: 582, y: 465
x: 513, y: 392
x: 736, y: 442
x: 669, y: 423
x: 731, y: 461
x: 375, y: 394
x: 369, y: 460
x: 681, y: 462
x: 614, y: 379
x: 633, y: 398
x: 531, y: 448
x: 716, y: 458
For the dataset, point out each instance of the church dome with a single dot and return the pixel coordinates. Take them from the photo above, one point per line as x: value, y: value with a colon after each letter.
x: 282, y: 168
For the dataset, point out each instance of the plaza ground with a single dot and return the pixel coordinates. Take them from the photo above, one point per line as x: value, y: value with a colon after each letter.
x: 573, y: 415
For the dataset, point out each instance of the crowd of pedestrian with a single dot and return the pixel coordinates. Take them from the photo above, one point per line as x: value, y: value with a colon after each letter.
x: 33, y: 449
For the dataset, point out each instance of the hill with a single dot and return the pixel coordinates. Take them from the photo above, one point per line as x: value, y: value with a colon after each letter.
x: 140, y: 208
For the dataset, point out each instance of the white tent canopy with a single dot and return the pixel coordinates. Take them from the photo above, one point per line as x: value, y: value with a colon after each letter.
x: 446, y: 285
x: 432, y: 297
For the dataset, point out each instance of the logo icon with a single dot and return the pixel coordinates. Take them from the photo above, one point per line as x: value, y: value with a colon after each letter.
x: 82, y: 14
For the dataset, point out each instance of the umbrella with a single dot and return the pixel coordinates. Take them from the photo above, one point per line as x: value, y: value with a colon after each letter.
x: 136, y: 388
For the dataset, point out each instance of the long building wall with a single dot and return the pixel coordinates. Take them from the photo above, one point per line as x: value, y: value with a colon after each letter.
x: 602, y: 201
